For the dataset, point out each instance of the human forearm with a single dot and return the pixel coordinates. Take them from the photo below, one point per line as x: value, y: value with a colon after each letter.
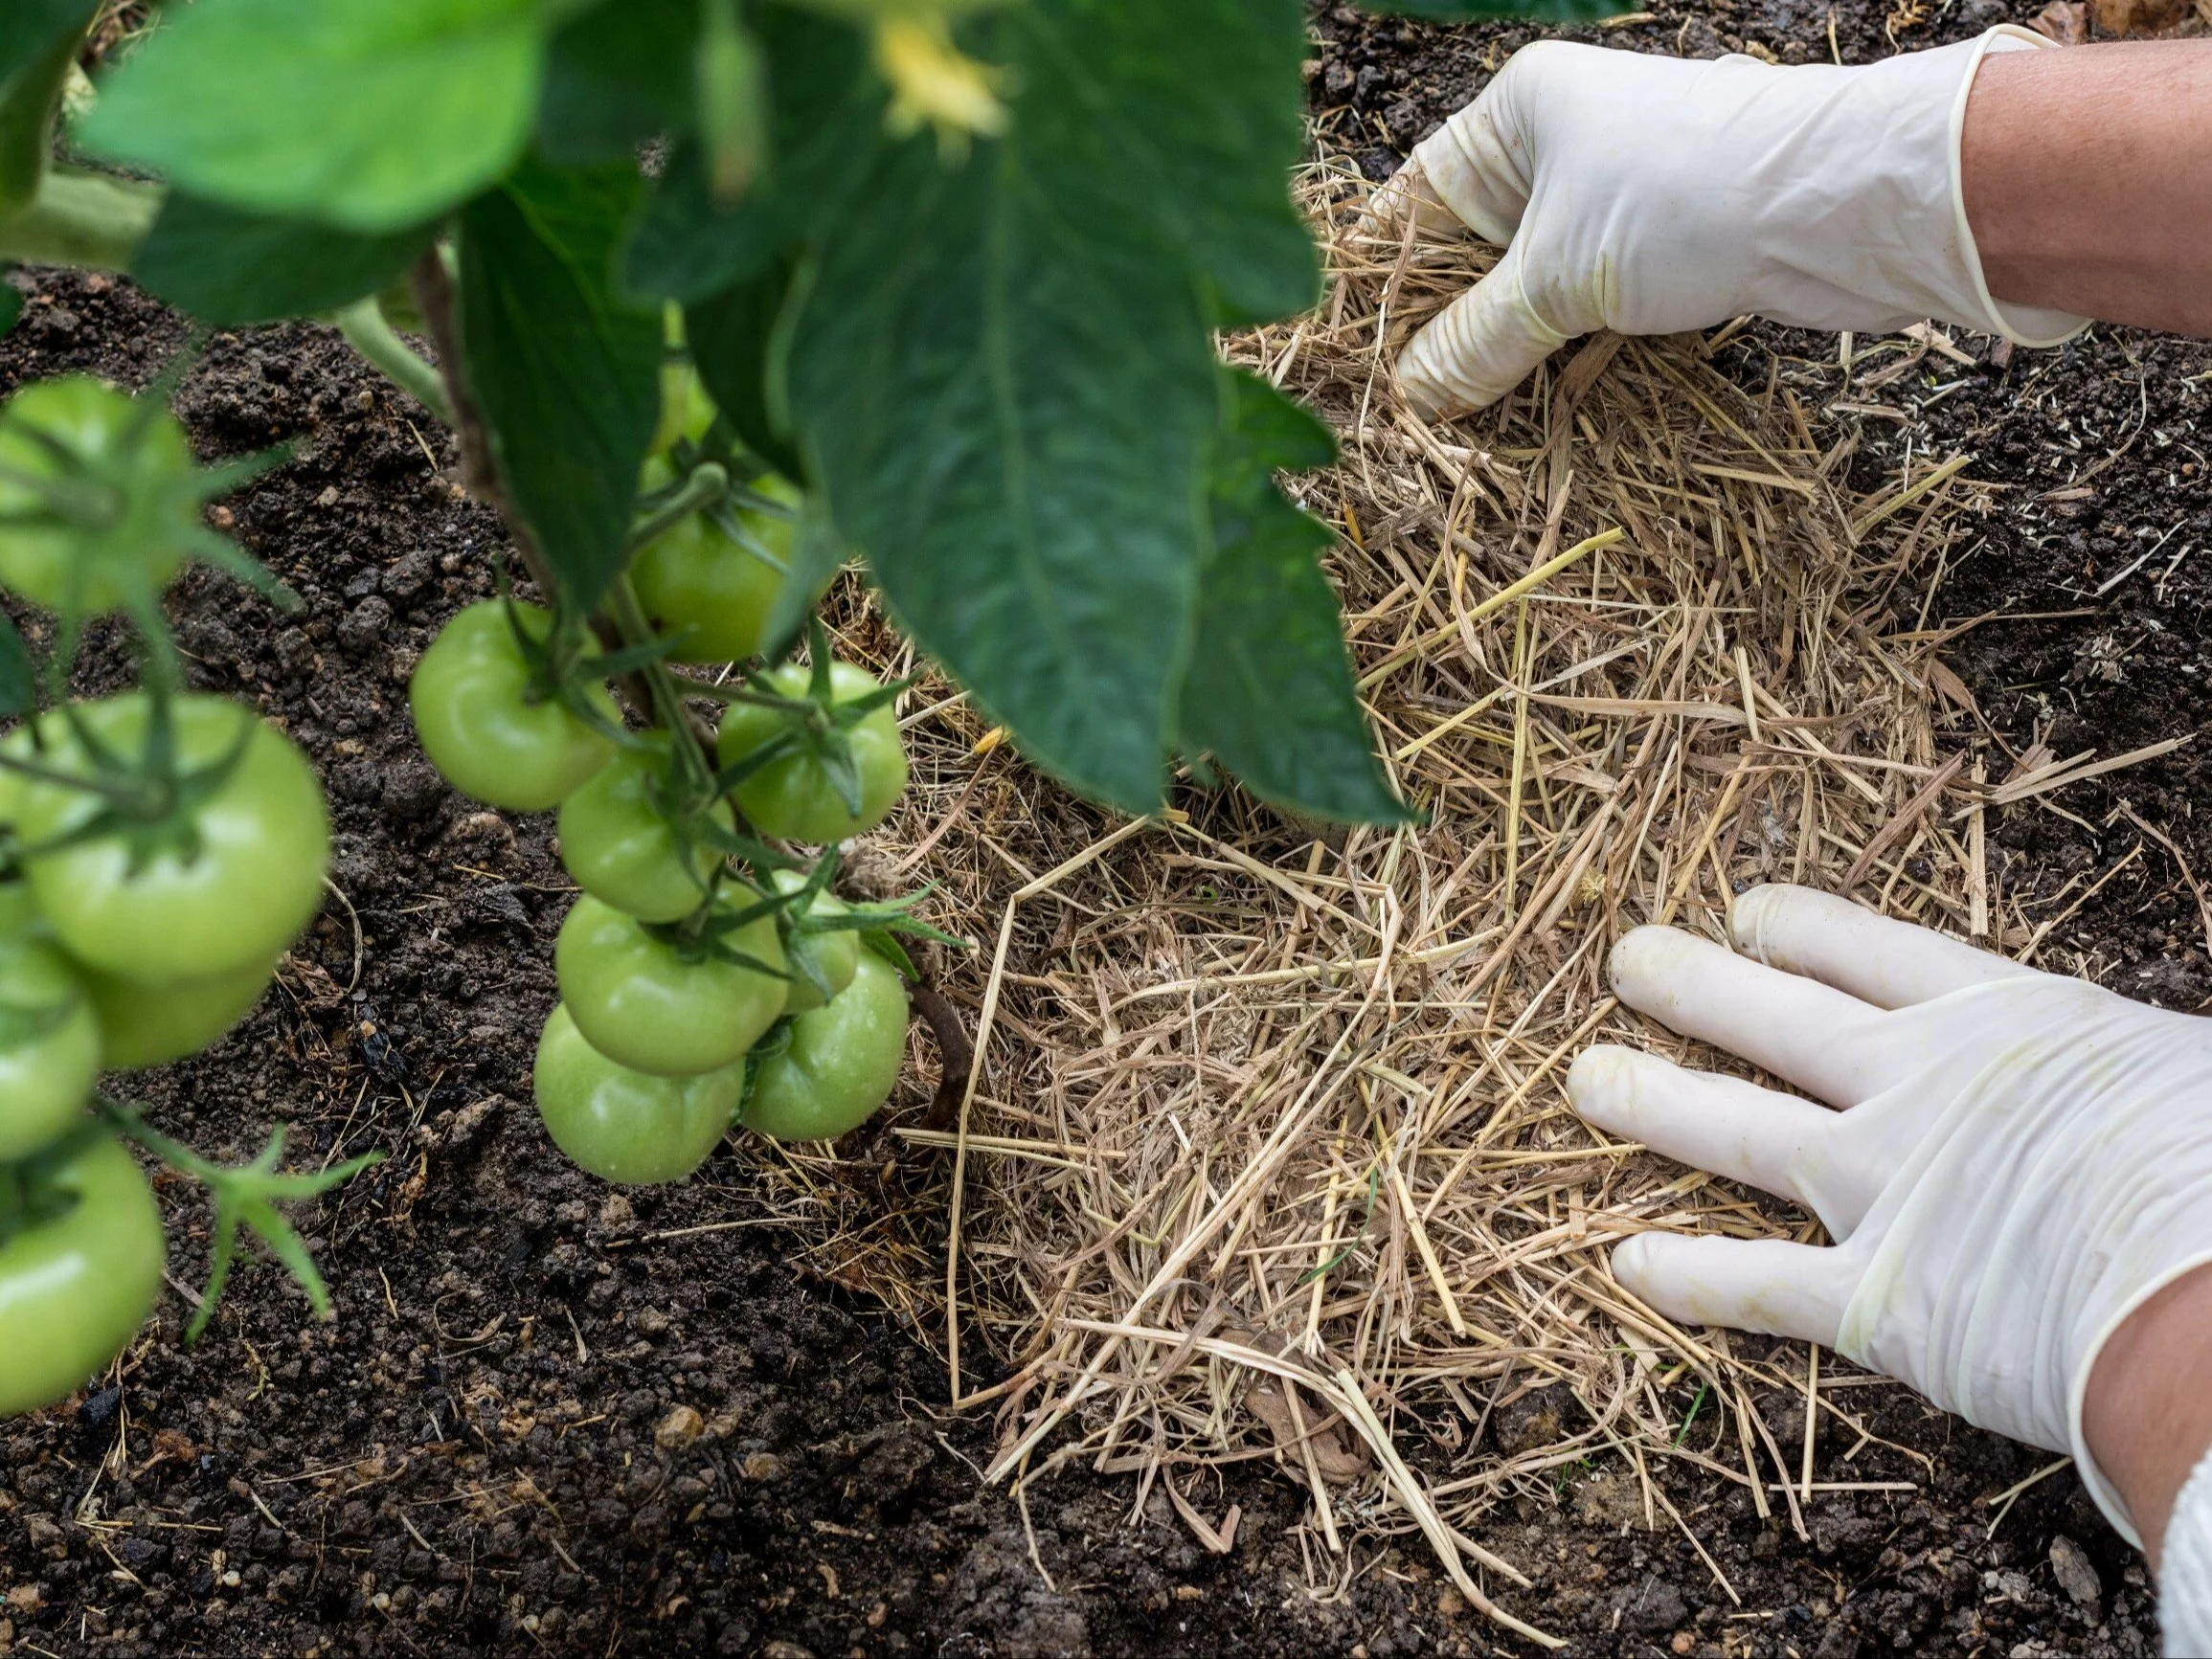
x: 2147, y: 1413
x: 2088, y: 180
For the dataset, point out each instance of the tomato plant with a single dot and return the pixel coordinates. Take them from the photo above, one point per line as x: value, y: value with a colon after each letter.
x: 626, y: 839
x: 50, y: 1041
x: 805, y: 775
x: 628, y: 1126
x: 493, y: 713
x: 143, y: 1024
x: 927, y: 290
x: 666, y: 1001
x: 839, y: 1064
x: 823, y: 950
x: 159, y: 880
x: 711, y: 582
x: 81, y: 1261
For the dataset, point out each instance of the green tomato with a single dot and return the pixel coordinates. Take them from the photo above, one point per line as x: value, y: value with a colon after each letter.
x: 707, y: 592
x: 49, y: 1042
x: 833, y: 953
x: 154, y: 1025
x: 625, y: 1126
x: 75, y: 1288
x: 227, y: 882
x: 841, y: 1063
x: 475, y: 714
x: 792, y: 797
x: 620, y: 847
x: 639, y: 1003
x: 141, y: 509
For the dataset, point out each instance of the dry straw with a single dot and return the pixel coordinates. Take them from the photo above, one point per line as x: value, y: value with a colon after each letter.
x: 1265, y: 1154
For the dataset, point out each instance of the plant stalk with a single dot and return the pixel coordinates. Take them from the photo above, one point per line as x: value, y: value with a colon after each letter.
x: 368, y: 331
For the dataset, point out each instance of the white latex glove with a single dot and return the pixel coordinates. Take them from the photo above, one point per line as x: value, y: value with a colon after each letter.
x: 1651, y: 195
x: 2017, y: 1162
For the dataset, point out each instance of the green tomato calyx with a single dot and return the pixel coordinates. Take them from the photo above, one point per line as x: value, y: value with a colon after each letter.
x: 100, y: 502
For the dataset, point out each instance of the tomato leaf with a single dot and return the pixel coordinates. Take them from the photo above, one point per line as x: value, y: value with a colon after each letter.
x: 742, y: 358
x: 10, y: 305
x: 617, y: 76
x: 29, y: 28
x: 18, y: 673
x: 1270, y: 690
x: 566, y: 371
x: 1004, y: 366
x: 374, y: 115
x: 38, y: 41
x: 230, y: 267
x: 1199, y: 137
x: 826, y: 123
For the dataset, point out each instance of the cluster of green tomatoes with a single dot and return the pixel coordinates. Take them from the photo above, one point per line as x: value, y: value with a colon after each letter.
x: 159, y: 851
x: 708, y: 974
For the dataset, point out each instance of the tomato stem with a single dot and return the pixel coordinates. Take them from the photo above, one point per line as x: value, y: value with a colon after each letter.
x: 708, y: 484
x: 370, y: 333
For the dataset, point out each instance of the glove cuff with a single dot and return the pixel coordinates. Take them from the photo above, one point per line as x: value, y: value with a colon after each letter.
x: 2185, y: 1584
x: 2027, y: 325
x: 2101, y: 1491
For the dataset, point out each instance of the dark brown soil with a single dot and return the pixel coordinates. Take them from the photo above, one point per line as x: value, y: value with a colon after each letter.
x: 551, y: 1421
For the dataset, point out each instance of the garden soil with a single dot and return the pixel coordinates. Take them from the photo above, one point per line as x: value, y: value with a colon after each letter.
x: 554, y: 1420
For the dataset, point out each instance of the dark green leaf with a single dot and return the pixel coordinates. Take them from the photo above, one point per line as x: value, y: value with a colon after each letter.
x: 230, y: 267
x: 28, y: 29
x: 18, y: 674
x: 1270, y: 691
x: 742, y: 360
x: 38, y: 41
x: 567, y: 372
x: 1004, y: 366
x: 617, y: 76
x: 10, y: 305
x: 370, y: 114
x: 1461, y: 10
x: 825, y: 124
x: 1198, y: 135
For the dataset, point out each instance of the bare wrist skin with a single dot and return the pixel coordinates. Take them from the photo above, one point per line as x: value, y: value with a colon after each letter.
x: 2088, y: 180
x: 2147, y: 1413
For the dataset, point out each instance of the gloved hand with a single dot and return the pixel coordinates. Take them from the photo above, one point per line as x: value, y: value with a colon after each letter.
x: 2015, y: 1162
x: 1655, y: 194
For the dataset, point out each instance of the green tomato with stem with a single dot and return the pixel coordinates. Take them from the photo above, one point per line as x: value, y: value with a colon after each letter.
x: 49, y: 1040
x: 75, y: 1286
x: 708, y: 591
x: 818, y: 961
x: 795, y: 796
x: 207, y: 875
x: 841, y: 1062
x: 659, y: 1008
x: 619, y: 844
x: 489, y: 724
x: 99, y: 490
x: 144, y: 1025
x: 625, y: 1126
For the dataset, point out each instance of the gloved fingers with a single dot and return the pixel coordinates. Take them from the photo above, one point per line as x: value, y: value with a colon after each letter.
x: 1816, y: 1036
x: 1722, y: 1124
x: 1765, y: 1285
x: 1480, y: 347
x: 1407, y: 194
x: 1482, y: 163
x: 1889, y: 963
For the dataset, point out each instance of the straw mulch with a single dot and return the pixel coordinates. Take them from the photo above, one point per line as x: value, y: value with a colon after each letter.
x: 1266, y: 1155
